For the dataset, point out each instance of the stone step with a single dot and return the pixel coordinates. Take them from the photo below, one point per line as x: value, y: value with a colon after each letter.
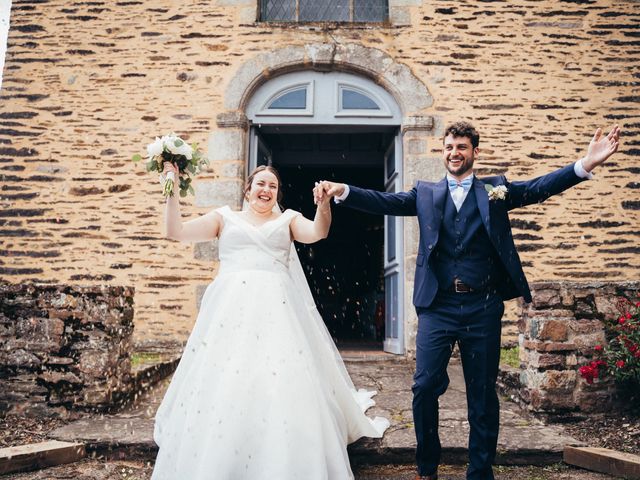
x: 132, y: 438
x: 147, y: 373
x: 523, y: 439
x: 604, y: 460
x: 39, y: 455
x: 112, y: 436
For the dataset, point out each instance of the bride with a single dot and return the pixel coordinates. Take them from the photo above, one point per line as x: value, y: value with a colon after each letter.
x: 261, y: 391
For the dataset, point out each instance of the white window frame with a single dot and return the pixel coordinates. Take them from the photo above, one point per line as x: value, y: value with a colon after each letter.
x: 382, y: 112
x: 290, y: 112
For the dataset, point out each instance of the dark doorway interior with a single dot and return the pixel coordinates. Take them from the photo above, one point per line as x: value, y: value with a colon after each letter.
x: 345, y: 271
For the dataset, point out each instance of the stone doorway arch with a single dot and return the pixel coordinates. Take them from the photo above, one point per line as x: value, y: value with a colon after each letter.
x: 228, y: 144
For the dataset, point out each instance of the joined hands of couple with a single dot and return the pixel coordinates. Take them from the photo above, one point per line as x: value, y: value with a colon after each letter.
x: 325, y: 190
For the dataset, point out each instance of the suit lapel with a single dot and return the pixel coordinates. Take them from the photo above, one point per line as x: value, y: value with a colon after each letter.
x: 483, y: 203
x: 440, y: 192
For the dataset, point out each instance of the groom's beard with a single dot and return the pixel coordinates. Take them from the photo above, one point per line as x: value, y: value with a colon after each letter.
x: 462, y: 168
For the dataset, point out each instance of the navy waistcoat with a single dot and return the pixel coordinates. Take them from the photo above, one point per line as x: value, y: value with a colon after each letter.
x: 464, y: 249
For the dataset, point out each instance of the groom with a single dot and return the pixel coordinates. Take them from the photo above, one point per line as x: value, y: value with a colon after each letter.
x: 467, y: 265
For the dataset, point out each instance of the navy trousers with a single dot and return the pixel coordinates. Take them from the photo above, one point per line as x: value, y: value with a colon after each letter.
x: 473, y: 320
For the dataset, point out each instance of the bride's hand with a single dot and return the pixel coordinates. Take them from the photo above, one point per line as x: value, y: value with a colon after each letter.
x: 319, y: 195
x: 323, y: 201
x: 171, y: 167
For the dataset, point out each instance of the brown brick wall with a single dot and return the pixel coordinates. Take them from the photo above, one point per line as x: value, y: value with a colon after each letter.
x: 87, y: 84
x: 64, y: 346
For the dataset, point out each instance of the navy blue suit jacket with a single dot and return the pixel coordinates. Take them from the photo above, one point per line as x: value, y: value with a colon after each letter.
x: 426, y: 201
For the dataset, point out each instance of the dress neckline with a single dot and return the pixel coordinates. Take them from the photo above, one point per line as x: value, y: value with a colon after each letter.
x: 257, y: 227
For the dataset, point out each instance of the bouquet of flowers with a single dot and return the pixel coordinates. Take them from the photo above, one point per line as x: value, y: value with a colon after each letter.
x: 173, y: 149
x: 621, y: 357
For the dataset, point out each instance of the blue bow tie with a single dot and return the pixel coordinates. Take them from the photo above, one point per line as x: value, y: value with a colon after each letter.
x: 465, y: 184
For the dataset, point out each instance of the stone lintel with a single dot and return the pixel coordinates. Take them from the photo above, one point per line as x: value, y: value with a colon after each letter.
x: 418, y: 122
x: 232, y: 119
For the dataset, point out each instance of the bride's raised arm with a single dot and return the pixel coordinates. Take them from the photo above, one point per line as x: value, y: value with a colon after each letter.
x: 204, y: 228
x: 307, y: 231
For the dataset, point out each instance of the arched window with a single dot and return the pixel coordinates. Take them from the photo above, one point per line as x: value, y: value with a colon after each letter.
x: 357, y: 101
x: 294, y: 99
x: 323, y: 98
x: 353, y: 100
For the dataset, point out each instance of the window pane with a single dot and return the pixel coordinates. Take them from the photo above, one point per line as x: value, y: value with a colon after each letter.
x: 278, y: 10
x: 324, y: 11
x: 352, y: 100
x: 391, y: 238
x: 332, y: 10
x: 295, y: 100
x: 391, y: 304
x: 370, y: 10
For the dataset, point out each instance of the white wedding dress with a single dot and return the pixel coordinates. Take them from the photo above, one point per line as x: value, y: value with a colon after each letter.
x: 261, y: 391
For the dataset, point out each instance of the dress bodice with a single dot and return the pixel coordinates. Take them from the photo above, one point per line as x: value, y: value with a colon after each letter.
x: 243, y: 246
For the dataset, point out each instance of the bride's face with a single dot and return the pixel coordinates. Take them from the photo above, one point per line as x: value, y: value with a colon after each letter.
x: 263, y: 194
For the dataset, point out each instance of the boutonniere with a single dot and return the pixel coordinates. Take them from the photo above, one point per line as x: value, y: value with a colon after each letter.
x: 496, y: 193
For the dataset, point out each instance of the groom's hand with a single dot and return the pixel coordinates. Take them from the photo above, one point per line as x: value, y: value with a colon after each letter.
x: 332, y: 189
x: 324, y: 190
x: 601, y: 148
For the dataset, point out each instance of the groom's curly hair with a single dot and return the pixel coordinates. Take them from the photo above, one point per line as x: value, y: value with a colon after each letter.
x: 463, y: 129
x: 259, y: 169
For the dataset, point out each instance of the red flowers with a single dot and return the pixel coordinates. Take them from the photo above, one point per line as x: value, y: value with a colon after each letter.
x: 620, y: 357
x: 591, y: 371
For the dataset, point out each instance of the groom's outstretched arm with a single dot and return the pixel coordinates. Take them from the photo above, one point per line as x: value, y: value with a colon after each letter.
x: 537, y: 190
x: 370, y: 201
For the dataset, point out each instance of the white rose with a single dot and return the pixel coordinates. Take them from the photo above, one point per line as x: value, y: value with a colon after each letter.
x: 168, y: 139
x: 154, y: 149
x: 183, y: 149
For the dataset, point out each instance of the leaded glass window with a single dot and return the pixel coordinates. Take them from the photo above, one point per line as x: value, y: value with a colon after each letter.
x: 327, y: 11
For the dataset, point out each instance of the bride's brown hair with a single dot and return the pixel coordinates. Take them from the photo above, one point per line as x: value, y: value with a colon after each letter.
x: 259, y: 169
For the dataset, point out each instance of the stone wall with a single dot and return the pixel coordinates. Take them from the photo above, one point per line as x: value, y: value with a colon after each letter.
x: 88, y: 84
x: 63, y: 347
x: 558, y: 333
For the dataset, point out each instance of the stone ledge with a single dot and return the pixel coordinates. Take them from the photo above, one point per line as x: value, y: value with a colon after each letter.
x: 604, y: 460
x: 39, y: 455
